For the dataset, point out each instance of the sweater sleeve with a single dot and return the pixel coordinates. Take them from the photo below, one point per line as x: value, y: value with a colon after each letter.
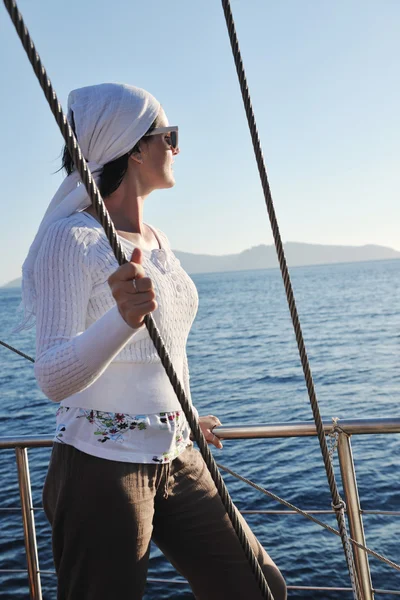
x: 69, y: 358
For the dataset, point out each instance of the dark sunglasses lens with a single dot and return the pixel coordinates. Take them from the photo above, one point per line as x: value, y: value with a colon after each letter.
x: 174, y: 139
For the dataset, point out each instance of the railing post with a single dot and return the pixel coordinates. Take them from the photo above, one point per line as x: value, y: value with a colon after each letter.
x: 354, y: 514
x: 28, y: 519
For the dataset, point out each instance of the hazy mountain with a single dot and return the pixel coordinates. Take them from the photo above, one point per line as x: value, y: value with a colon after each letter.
x: 264, y: 257
x: 13, y: 284
x: 297, y: 254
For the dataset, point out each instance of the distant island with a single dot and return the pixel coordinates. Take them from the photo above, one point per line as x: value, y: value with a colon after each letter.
x: 264, y: 257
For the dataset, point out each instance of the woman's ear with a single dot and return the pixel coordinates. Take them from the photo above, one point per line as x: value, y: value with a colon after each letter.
x: 137, y: 157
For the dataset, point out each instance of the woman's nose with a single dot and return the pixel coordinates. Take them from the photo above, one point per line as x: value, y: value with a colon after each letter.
x: 176, y: 151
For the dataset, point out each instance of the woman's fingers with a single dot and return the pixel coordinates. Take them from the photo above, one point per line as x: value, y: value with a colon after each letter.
x: 130, y: 270
x: 137, y: 256
x: 133, y: 299
x: 213, y: 439
x: 127, y: 272
x: 207, y: 425
x: 211, y: 421
x: 134, y: 314
x: 133, y: 291
x: 142, y: 286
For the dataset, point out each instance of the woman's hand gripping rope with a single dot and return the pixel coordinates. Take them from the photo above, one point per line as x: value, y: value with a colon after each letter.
x: 135, y: 298
x: 133, y: 291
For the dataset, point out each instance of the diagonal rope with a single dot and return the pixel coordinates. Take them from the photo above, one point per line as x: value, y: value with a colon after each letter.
x: 307, y: 515
x: 111, y: 233
x: 17, y: 351
x: 337, y: 502
x: 304, y: 513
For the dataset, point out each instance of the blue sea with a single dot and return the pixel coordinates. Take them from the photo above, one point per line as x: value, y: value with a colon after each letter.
x: 245, y: 369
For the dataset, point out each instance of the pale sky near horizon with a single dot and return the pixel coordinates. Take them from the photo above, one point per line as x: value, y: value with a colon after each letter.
x: 326, y: 94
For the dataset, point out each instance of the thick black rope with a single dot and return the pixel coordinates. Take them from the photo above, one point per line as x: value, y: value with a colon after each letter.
x: 111, y: 233
x: 337, y: 502
x: 289, y: 505
x: 259, y: 488
x: 304, y: 513
x: 299, y: 511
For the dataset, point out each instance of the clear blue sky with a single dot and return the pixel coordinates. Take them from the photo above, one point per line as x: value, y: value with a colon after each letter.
x: 324, y: 78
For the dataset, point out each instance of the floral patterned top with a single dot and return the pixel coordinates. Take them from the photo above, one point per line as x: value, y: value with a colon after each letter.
x: 88, y: 358
x: 122, y: 437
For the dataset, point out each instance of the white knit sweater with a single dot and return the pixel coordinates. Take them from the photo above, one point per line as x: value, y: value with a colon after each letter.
x: 84, y: 347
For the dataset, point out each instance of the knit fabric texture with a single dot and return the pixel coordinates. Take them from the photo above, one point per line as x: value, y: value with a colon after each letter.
x: 71, y: 279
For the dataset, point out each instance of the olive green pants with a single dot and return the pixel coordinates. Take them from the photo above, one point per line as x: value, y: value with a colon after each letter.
x: 104, y: 514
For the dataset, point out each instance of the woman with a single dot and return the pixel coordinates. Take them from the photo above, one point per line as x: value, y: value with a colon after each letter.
x: 123, y: 470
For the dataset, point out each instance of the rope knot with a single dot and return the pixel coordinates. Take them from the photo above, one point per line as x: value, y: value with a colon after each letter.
x: 340, y: 506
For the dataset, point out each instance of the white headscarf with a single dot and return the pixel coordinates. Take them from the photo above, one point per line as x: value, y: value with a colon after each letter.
x: 110, y: 119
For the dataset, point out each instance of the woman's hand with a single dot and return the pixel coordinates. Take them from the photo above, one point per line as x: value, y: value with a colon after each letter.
x: 207, y: 425
x: 133, y: 291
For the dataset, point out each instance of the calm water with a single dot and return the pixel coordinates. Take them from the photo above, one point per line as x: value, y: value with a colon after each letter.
x: 245, y: 369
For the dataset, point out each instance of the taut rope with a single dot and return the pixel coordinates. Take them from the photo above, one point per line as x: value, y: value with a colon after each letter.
x: 337, y: 502
x: 110, y: 231
x: 304, y: 513
x: 307, y: 515
x: 299, y: 511
x: 17, y: 351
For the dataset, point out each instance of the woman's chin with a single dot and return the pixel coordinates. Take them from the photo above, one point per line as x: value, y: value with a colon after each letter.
x: 170, y: 181
x: 165, y: 182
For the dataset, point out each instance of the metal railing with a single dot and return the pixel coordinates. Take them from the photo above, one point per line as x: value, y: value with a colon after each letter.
x: 354, y: 512
x: 345, y: 430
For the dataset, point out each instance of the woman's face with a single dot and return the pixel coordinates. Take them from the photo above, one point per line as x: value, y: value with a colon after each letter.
x: 157, y: 157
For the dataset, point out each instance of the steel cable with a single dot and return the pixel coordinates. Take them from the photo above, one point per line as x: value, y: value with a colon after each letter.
x: 337, y: 502
x: 307, y: 515
x: 294, y: 508
x: 17, y: 351
x: 111, y: 233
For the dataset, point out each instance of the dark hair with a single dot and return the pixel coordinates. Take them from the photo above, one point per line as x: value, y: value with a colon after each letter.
x: 113, y: 172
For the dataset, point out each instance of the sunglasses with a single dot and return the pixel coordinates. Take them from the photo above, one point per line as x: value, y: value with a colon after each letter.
x: 173, y: 134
